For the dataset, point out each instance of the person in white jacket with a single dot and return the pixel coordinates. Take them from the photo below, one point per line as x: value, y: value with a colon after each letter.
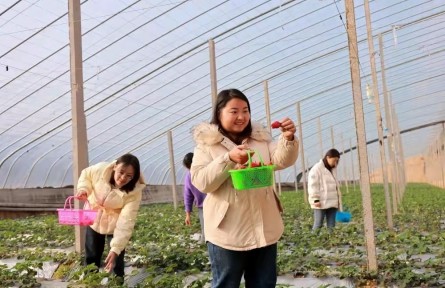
x: 115, y: 190
x: 324, y: 196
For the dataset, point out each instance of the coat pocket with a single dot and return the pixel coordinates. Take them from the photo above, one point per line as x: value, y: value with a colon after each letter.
x: 278, y: 201
x: 215, y: 213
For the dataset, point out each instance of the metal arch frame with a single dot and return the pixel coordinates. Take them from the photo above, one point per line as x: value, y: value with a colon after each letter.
x: 180, y: 146
x: 103, y: 70
x: 49, y: 170
x: 66, y: 45
x: 366, y: 113
x: 36, y: 161
x: 422, y: 80
x: 274, y: 112
x: 370, y: 112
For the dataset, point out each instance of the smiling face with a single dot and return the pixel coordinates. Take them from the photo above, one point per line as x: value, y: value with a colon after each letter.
x: 122, y: 174
x: 235, y: 116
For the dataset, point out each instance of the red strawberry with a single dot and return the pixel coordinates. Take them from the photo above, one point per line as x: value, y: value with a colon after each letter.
x: 255, y: 164
x: 276, y: 125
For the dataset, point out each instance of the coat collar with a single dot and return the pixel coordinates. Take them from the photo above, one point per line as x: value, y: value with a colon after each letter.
x: 207, y: 134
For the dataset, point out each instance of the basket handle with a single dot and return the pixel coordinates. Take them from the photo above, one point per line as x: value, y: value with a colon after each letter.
x: 250, y: 158
x: 68, y: 201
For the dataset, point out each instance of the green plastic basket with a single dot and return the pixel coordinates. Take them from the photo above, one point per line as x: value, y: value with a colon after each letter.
x: 251, y: 178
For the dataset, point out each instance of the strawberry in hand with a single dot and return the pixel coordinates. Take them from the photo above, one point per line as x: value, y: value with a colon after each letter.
x: 276, y: 125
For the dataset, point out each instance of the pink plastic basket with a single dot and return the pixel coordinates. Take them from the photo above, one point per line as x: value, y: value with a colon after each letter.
x: 72, y: 216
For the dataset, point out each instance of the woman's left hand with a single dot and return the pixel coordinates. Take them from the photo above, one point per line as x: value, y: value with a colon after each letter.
x: 288, y: 129
x: 110, y: 261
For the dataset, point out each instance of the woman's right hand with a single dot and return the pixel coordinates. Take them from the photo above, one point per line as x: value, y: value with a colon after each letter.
x: 82, y: 195
x: 188, y: 222
x: 239, y: 154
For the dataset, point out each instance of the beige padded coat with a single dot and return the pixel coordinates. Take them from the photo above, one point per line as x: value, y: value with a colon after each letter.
x: 117, y: 210
x: 238, y: 220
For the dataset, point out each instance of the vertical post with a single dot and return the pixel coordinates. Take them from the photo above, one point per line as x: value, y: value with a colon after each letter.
x: 332, y: 137
x: 361, y: 135
x: 345, y: 174
x: 402, y: 173
x: 395, y: 151
x: 80, y: 146
x: 172, y: 167
x: 267, y: 104
x: 378, y: 115
x: 388, y: 126
x: 213, y: 83
x: 442, y: 144
x: 303, y: 164
x: 320, y: 138
x: 371, y: 168
x: 269, y: 122
x: 352, y: 162
x: 402, y: 154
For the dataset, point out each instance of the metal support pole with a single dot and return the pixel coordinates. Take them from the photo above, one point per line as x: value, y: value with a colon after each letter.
x: 396, y: 152
x: 79, y: 132
x: 345, y: 174
x: 399, y: 145
x: 388, y: 126
x: 303, y: 164
x: 352, y: 163
x: 269, y: 122
x: 172, y: 167
x: 213, y: 83
x: 402, y: 153
x: 267, y: 104
x: 361, y: 135
x: 295, y: 177
x: 443, y: 154
x: 320, y: 138
x: 332, y: 137
x: 378, y: 116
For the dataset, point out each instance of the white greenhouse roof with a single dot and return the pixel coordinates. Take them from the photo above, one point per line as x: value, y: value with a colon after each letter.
x: 146, y: 71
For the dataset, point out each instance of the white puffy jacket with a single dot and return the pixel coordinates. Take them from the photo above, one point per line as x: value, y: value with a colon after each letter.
x: 323, y: 186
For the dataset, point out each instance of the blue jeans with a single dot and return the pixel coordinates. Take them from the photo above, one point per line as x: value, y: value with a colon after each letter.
x: 320, y: 214
x: 259, y: 267
x: 94, y: 248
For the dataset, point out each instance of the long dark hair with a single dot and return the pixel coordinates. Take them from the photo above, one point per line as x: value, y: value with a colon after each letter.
x: 221, y: 101
x: 332, y: 153
x: 128, y: 160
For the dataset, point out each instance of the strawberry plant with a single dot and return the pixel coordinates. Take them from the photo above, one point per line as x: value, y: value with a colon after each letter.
x: 162, y: 248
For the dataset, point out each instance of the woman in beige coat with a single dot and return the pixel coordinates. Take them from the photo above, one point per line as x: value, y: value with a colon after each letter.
x: 115, y: 190
x: 242, y: 228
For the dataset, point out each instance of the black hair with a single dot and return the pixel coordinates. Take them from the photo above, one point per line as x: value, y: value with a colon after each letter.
x: 221, y: 101
x: 332, y: 153
x: 187, y: 161
x: 128, y: 160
